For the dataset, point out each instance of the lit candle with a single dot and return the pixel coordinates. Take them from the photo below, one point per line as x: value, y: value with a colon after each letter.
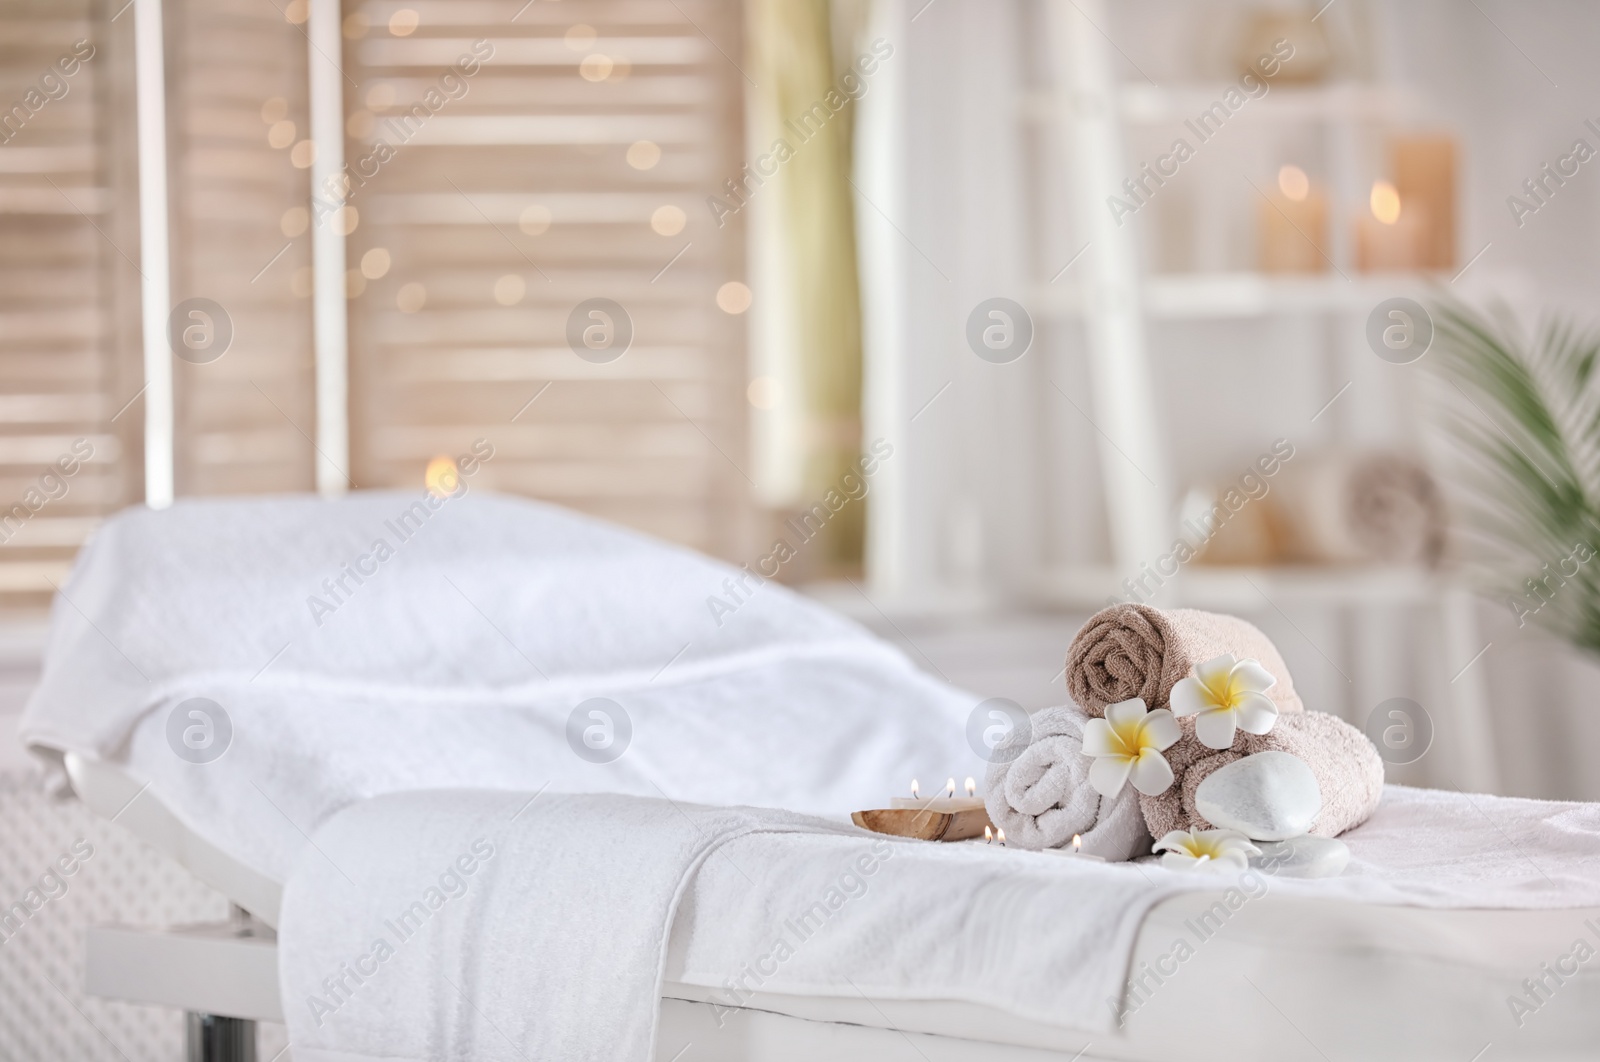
x: 948, y: 802
x: 1075, y: 851
x: 1391, y: 236
x: 1001, y: 834
x: 1293, y: 232
x: 988, y: 835
x: 1424, y: 170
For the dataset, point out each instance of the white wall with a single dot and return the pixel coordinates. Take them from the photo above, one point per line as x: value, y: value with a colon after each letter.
x: 965, y: 430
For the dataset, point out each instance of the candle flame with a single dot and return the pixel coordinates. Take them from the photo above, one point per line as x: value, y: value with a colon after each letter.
x: 988, y: 835
x: 442, y: 477
x: 914, y: 793
x: 1077, y: 842
x: 1293, y: 183
x: 972, y: 787
x: 1001, y: 833
x: 1385, y: 202
x: 950, y: 788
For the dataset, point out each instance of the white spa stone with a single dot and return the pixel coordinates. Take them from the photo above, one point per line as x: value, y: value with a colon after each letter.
x: 1270, y: 796
x: 1303, y: 857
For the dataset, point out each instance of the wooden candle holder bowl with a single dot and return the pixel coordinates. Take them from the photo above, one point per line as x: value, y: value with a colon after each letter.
x: 924, y: 825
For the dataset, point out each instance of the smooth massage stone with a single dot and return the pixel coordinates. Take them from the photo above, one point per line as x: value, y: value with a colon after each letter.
x: 1303, y: 857
x: 1270, y: 796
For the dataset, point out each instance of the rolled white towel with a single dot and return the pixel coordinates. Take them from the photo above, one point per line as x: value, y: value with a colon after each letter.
x: 1042, y: 797
x: 1358, y: 508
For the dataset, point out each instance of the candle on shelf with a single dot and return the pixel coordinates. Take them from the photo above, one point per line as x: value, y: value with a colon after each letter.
x: 1390, y: 236
x: 949, y: 802
x: 1293, y: 234
x: 1424, y: 170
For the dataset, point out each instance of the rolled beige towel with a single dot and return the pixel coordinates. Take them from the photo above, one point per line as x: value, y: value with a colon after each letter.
x: 1357, y: 508
x: 1346, y: 764
x: 1042, y: 797
x: 1128, y: 651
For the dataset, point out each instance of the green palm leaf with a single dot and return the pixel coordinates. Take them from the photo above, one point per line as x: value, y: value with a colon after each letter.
x: 1528, y: 488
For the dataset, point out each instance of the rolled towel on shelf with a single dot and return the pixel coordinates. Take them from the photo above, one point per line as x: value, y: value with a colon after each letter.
x: 1128, y: 651
x: 1042, y: 798
x: 1357, y: 508
x: 1346, y: 764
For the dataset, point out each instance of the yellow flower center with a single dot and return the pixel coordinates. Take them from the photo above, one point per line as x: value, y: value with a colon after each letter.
x: 1203, y: 846
x: 1226, y: 694
x: 1130, y: 734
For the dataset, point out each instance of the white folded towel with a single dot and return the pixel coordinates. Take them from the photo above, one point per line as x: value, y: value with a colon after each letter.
x: 1042, y: 797
x: 466, y: 924
x: 512, y: 927
x: 468, y: 659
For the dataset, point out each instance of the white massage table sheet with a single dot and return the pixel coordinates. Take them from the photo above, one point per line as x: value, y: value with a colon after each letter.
x: 1413, y: 982
x: 1401, y: 958
x: 1286, y: 977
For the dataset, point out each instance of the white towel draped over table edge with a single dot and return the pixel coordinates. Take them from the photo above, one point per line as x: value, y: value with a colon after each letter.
x: 555, y: 945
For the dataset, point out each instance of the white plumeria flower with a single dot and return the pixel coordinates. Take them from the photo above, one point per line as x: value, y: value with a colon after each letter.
x: 1206, y: 850
x: 1127, y: 746
x: 1224, y: 694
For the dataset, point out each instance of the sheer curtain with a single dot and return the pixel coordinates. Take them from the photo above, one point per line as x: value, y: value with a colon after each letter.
x: 808, y: 69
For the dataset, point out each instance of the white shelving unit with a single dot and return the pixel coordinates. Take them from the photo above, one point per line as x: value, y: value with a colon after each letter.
x: 1112, y: 299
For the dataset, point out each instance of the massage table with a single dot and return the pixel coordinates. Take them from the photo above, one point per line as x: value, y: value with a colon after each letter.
x: 192, y: 594
x: 1323, y: 979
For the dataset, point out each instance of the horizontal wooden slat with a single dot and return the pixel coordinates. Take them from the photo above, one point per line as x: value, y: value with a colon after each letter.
x: 43, y: 449
x: 94, y: 490
x: 35, y: 579
x: 495, y: 88
x: 441, y: 52
x: 56, y: 323
x: 70, y: 199
x: 76, y: 364
x: 473, y: 16
x: 566, y: 208
x: 70, y: 161
x: 410, y: 368
x: 46, y: 528
x: 75, y: 405
x: 518, y: 130
x: 267, y: 444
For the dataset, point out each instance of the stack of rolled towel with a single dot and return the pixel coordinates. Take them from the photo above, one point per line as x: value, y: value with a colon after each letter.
x: 1163, y: 699
x: 1334, y: 507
